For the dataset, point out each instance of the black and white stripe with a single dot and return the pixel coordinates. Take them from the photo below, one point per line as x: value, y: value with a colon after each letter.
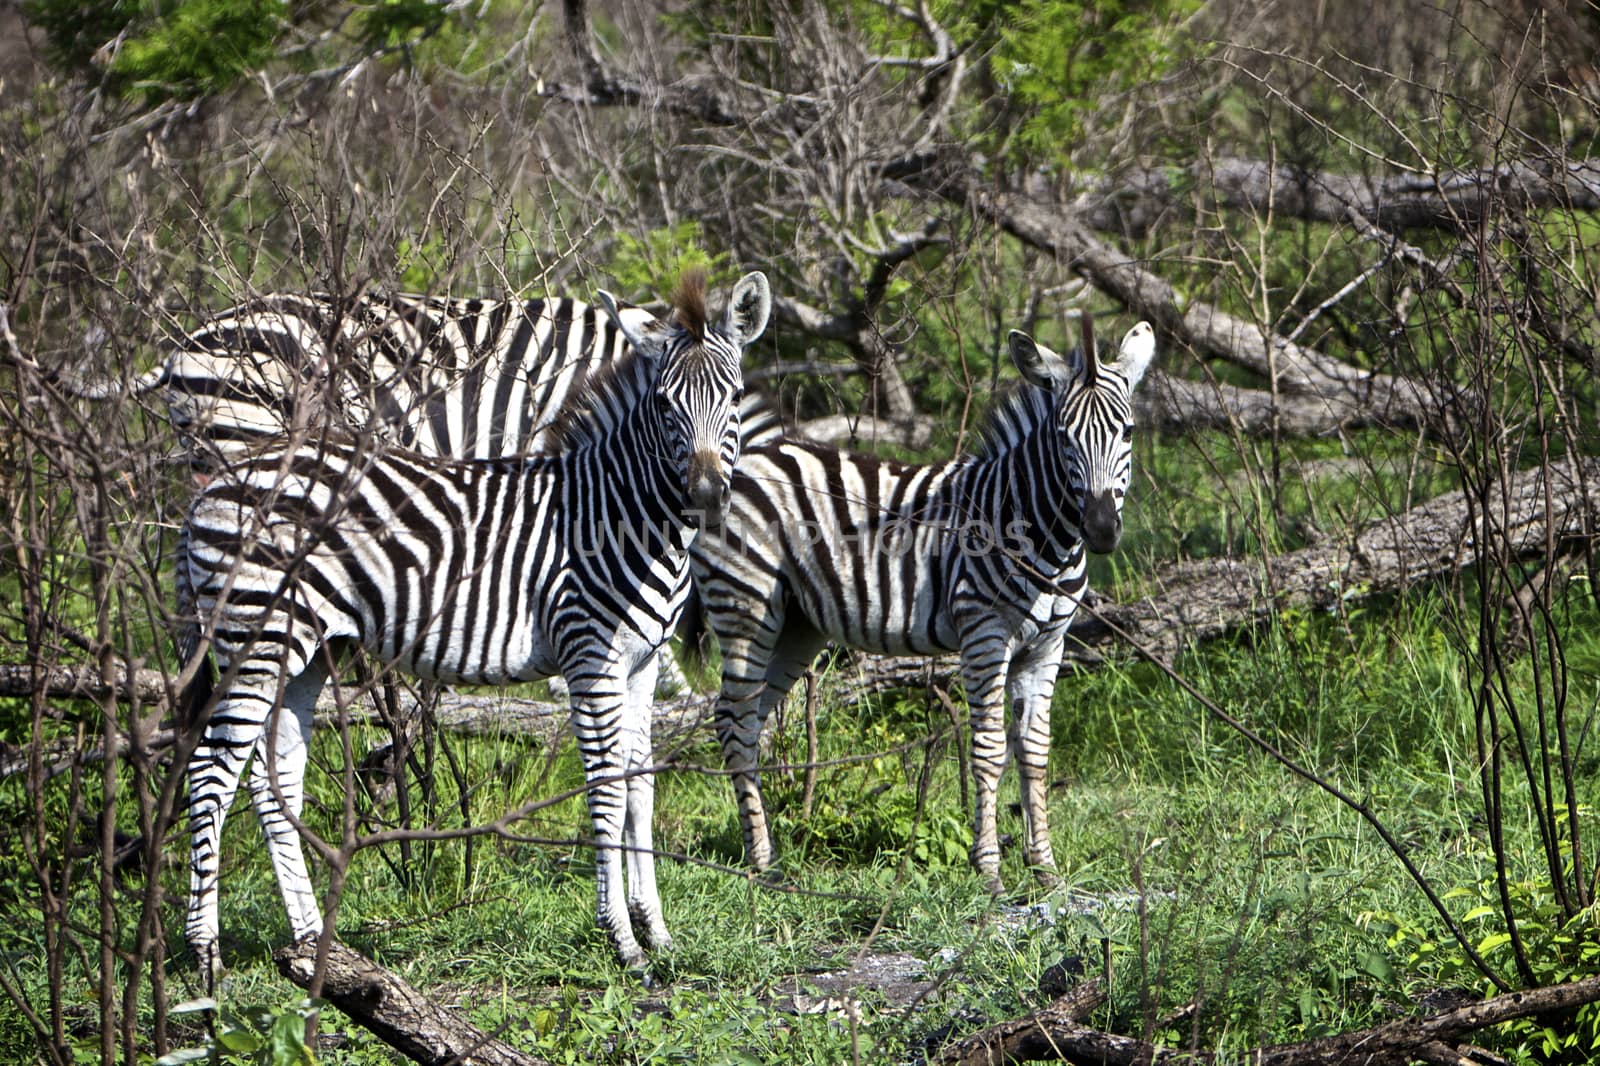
x: 983, y: 555
x: 468, y: 378
x: 484, y: 572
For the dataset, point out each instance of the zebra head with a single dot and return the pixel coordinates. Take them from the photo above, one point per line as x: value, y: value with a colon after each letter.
x: 699, y: 384
x: 1093, y: 421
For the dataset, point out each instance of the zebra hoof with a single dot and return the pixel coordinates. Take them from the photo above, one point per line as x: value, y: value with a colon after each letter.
x: 994, y: 885
x: 1047, y: 877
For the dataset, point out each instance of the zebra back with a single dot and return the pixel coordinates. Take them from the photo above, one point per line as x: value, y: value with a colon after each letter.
x: 468, y: 378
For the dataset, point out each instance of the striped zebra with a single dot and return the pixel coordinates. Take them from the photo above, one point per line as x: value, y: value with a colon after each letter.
x: 469, y: 378
x: 496, y: 571
x: 983, y: 555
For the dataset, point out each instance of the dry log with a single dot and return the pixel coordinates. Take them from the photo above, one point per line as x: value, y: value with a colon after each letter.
x: 1133, y: 201
x: 1395, y: 1043
x: 1353, y: 396
x: 1197, y: 601
x: 1026, y: 1038
x: 398, y: 1014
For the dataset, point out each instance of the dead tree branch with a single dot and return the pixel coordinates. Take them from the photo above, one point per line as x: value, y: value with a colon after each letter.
x: 1132, y: 202
x: 1207, y: 599
x: 398, y: 1014
x: 1347, y: 394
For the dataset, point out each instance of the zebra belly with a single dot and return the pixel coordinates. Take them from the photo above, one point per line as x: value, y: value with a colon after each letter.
x: 885, y: 605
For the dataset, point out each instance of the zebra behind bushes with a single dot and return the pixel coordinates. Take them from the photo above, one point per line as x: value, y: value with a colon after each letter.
x: 483, y: 572
x: 471, y: 378
x: 983, y: 555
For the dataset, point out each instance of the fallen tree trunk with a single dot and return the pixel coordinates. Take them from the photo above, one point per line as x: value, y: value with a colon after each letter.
x: 1055, y: 1038
x: 1455, y: 200
x: 398, y: 1014
x: 1025, y: 1038
x: 1352, y: 396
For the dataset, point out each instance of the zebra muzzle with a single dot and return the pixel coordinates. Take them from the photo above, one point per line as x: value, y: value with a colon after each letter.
x: 709, y: 493
x: 1102, y: 523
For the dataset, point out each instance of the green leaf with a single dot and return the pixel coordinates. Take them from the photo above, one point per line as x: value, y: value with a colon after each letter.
x: 1376, y: 964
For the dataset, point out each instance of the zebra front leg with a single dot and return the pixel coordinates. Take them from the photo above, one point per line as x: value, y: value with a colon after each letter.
x: 277, y: 791
x: 644, y: 902
x: 1031, y: 688
x: 983, y: 672
x: 599, y: 710
x: 214, y: 770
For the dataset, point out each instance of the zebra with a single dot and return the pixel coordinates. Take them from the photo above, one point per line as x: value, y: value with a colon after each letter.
x: 489, y: 571
x: 983, y: 555
x: 469, y: 378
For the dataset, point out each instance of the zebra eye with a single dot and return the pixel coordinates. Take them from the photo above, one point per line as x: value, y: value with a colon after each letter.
x: 1127, y: 432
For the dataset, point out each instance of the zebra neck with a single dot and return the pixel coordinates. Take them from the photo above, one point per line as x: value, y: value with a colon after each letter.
x: 1035, y: 490
x: 630, y: 470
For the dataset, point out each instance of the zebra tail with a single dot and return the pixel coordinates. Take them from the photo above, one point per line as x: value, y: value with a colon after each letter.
x: 196, y: 695
x: 110, y: 388
x: 694, y: 635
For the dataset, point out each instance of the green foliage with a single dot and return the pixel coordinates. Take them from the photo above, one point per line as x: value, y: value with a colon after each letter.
x: 153, y: 50
x: 647, y: 267
x: 393, y: 23
x: 1060, y: 57
x: 252, y: 1035
x: 1558, y: 950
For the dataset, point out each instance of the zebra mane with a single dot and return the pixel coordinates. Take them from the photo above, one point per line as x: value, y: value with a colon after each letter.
x: 690, y: 302
x: 592, y: 411
x: 1018, y: 412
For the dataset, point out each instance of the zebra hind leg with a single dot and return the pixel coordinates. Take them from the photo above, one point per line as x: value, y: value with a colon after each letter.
x: 277, y: 791
x: 983, y: 670
x: 214, y: 770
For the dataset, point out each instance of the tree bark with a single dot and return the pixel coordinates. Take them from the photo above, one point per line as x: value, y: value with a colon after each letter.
x: 1352, y: 396
x: 398, y: 1014
x: 1210, y: 598
x: 1131, y: 202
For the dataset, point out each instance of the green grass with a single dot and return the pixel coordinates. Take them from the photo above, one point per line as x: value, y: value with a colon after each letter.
x: 1198, y: 867
x: 1202, y: 868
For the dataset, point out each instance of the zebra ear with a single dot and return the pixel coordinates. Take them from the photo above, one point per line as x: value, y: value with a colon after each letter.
x: 646, y: 338
x: 748, y: 309
x: 1039, y: 365
x: 1137, y: 353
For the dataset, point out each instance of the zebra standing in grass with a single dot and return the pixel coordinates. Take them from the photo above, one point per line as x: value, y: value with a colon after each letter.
x: 983, y: 555
x: 465, y: 378
x: 483, y: 572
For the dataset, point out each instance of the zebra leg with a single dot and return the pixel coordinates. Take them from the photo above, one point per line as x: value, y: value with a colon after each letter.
x: 1032, y: 684
x: 644, y: 902
x: 757, y: 675
x: 277, y: 791
x: 670, y: 681
x: 214, y: 769
x: 599, y: 710
x: 984, y: 661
